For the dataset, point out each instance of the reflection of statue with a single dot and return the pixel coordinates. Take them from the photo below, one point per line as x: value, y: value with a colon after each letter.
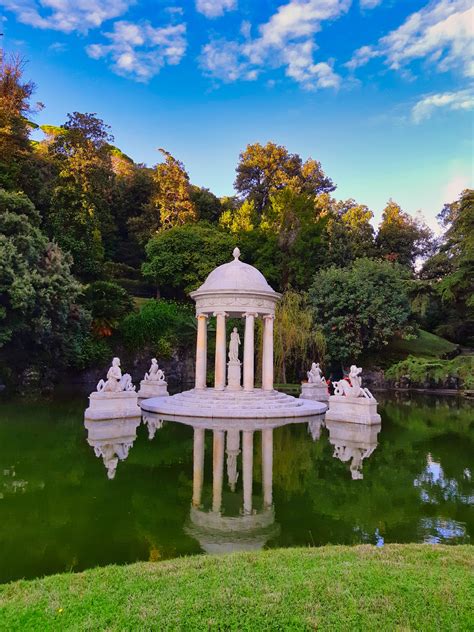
x: 354, y: 389
x: 155, y: 374
x: 115, y: 382
x: 315, y: 375
x: 234, y: 346
x: 356, y: 455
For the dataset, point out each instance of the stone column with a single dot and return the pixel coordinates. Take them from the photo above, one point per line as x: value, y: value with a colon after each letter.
x: 247, y: 467
x: 219, y: 376
x: 201, y: 351
x: 198, y: 465
x: 267, y: 361
x: 267, y: 466
x: 217, y: 468
x: 249, y: 352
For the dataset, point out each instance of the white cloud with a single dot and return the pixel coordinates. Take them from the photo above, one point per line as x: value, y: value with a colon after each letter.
x: 369, y: 4
x: 286, y: 41
x: 140, y: 50
x: 455, y: 186
x: 440, y: 33
x: 66, y: 15
x: 460, y: 100
x: 215, y: 8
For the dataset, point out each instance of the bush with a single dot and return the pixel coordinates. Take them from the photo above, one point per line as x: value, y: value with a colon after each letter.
x: 159, y: 324
x: 422, y: 372
x: 108, y: 303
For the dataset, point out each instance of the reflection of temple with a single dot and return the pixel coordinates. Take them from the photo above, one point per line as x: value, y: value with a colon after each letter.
x: 352, y: 442
x: 253, y: 523
x: 112, y: 440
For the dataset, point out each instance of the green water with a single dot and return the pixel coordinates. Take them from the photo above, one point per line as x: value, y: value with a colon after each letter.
x: 60, y: 512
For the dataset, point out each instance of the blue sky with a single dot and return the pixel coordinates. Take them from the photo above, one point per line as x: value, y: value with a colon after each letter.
x: 377, y: 90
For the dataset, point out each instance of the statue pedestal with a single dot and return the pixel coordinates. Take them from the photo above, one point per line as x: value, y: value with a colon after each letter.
x: 358, y: 410
x: 316, y: 392
x: 113, y: 405
x: 234, y: 371
x: 151, y: 388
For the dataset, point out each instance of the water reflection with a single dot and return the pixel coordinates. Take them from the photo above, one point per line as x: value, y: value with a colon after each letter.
x: 353, y: 443
x: 112, y: 440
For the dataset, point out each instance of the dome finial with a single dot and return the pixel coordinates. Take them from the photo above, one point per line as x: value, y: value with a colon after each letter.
x: 236, y: 253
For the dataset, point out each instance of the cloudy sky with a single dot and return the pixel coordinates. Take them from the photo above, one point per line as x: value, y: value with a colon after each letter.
x: 378, y: 90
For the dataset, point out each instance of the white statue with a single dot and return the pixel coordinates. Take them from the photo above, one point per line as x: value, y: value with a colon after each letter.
x: 354, y: 389
x: 315, y: 375
x: 115, y: 382
x: 155, y: 374
x: 234, y: 345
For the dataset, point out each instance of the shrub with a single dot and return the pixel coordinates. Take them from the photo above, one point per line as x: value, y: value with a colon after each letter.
x: 108, y: 303
x: 441, y: 373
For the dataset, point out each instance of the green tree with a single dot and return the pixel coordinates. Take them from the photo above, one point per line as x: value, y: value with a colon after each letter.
x: 265, y: 169
x: 295, y: 344
x: 208, y: 206
x: 79, y: 217
x: 172, y: 193
x: 107, y: 303
x: 356, y: 220
x: 41, y: 324
x: 361, y: 307
x: 402, y: 238
x: 242, y: 219
x: 179, y: 259
x: 15, y: 129
x: 457, y: 287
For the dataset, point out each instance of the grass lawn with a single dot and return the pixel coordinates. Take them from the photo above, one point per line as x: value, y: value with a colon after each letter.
x: 426, y: 345
x: 398, y: 587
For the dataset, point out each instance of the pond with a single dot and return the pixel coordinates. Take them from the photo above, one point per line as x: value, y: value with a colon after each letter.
x: 61, y: 509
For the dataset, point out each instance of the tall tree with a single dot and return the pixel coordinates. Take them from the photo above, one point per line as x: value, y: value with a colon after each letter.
x: 15, y: 107
x: 356, y: 219
x: 208, y: 206
x: 457, y: 287
x: 41, y: 324
x: 402, y: 238
x: 80, y: 218
x: 265, y: 169
x: 172, y: 194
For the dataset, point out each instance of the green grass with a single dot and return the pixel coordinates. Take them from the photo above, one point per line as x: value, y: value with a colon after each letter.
x: 426, y: 345
x: 398, y: 587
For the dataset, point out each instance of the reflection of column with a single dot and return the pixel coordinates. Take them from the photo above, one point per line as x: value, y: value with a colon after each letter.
x: 198, y: 465
x: 267, y: 364
x: 247, y: 467
x: 249, y: 352
x: 233, y: 451
x: 217, y: 469
x: 267, y: 466
x: 201, y: 351
x: 219, y: 377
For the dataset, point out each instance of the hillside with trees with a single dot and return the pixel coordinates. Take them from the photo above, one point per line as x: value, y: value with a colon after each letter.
x: 98, y: 252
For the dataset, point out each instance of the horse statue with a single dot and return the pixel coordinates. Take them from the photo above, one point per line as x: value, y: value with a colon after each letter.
x: 354, y: 388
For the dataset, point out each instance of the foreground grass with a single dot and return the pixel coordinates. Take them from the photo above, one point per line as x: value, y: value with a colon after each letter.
x: 402, y: 587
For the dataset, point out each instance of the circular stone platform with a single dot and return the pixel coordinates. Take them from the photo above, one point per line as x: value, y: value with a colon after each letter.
x: 225, y: 404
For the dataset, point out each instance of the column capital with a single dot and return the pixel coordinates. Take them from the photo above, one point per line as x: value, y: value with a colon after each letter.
x: 202, y: 315
x: 269, y: 316
x: 220, y: 314
x: 254, y: 314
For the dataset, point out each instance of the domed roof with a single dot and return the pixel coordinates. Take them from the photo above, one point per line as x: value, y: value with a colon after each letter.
x: 235, y: 276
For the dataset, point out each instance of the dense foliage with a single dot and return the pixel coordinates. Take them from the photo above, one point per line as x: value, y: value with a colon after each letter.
x: 360, y: 307
x: 93, y: 213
